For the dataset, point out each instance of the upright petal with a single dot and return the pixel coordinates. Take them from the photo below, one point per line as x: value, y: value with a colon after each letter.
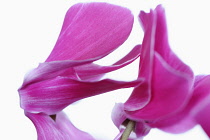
x: 91, y: 30
x: 138, y: 99
x: 168, y: 81
x: 171, y: 91
x: 162, y: 46
x: 60, y: 129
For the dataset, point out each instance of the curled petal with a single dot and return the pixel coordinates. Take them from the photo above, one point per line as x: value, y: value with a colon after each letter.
x: 60, y: 129
x: 85, y: 69
x: 195, y: 110
x: 93, y: 71
x: 201, y: 103
x: 92, y: 30
x: 168, y: 81
x: 168, y: 96
x: 119, y: 118
x: 118, y: 115
x: 203, y: 119
x: 139, y: 100
x: 51, y: 96
x: 176, y: 123
x: 201, y: 94
x: 142, y: 129
x: 52, y: 69
x: 162, y: 45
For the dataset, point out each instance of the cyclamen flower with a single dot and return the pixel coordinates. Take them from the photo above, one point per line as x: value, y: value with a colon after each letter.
x: 167, y: 87
x: 195, y: 112
x: 90, y: 31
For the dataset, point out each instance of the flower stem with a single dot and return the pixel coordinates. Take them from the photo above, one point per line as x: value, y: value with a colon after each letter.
x: 129, y: 128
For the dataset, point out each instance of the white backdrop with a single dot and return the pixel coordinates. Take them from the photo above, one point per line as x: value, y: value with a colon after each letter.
x: 29, y: 30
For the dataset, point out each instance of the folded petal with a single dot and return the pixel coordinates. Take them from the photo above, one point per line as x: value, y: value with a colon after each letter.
x: 48, y: 70
x: 142, y: 129
x: 168, y: 81
x: 51, y: 96
x: 119, y: 118
x: 92, y: 30
x: 171, y: 91
x: 201, y: 103
x: 203, y: 119
x: 138, y: 99
x: 194, y: 112
x: 60, y: 129
x: 176, y: 123
x: 162, y: 46
x: 201, y: 94
x: 118, y: 115
x: 83, y: 69
x: 94, y: 72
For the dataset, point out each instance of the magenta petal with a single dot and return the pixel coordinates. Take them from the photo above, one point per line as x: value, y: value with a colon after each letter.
x: 168, y: 96
x: 185, y: 119
x: 142, y: 129
x: 200, y: 103
x: 91, y: 30
x: 177, y: 123
x: 94, y: 72
x: 201, y: 94
x: 139, y: 100
x: 52, y: 69
x: 162, y: 46
x: 203, y: 118
x: 89, y: 72
x: 119, y: 116
x: 168, y: 81
x: 60, y: 129
x: 51, y: 96
x: 132, y: 55
x: 196, y: 110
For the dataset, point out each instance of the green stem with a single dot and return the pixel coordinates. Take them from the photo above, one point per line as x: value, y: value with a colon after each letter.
x: 129, y: 128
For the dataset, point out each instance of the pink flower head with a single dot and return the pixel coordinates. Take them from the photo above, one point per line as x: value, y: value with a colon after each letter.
x: 168, y: 82
x: 90, y: 32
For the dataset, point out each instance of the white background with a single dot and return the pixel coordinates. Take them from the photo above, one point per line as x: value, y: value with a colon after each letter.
x: 29, y: 30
